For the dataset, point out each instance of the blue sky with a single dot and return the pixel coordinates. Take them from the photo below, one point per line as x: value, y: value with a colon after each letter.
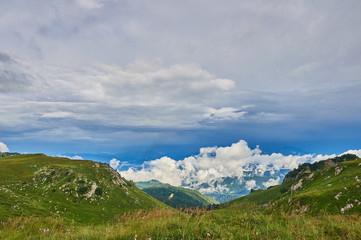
x: 138, y: 80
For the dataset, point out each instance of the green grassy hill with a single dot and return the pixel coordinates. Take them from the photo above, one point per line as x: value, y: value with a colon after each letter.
x: 331, y: 186
x: 27, y: 184
x: 178, y: 197
x: 79, y: 190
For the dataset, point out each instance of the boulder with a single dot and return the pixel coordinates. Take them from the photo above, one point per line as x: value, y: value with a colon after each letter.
x: 338, y: 170
x: 347, y: 207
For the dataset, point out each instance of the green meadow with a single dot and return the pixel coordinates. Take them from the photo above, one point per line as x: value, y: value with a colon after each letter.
x: 236, y: 222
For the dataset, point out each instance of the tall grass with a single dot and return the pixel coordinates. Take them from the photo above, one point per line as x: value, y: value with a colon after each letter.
x: 238, y: 222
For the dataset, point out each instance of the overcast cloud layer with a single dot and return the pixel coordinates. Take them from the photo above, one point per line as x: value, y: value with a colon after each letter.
x: 100, y: 73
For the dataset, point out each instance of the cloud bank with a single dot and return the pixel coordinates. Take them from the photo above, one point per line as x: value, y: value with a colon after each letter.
x: 145, y: 94
x: 207, y: 171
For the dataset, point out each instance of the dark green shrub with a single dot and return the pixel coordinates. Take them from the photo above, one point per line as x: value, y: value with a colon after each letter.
x: 82, y: 190
x: 98, y: 191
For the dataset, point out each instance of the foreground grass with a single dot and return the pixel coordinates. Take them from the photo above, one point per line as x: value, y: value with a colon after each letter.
x: 237, y: 222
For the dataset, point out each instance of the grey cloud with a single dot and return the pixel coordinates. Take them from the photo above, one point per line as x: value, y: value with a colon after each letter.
x: 13, y: 76
x: 12, y: 81
x: 4, y: 57
x: 106, y: 96
x: 90, y: 4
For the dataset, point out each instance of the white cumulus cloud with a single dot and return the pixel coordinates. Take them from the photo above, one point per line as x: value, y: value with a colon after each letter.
x: 114, y: 163
x: 356, y: 152
x: 206, y: 170
x: 165, y: 170
x: 3, y: 147
x: 272, y: 182
x: 250, y: 184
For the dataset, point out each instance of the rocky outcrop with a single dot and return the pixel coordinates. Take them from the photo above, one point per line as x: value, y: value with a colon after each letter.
x: 310, y: 177
x: 294, y: 175
x: 347, y: 207
x: 338, y: 170
x: 296, y: 186
x: 329, y: 163
x: 92, y: 191
x: 337, y: 197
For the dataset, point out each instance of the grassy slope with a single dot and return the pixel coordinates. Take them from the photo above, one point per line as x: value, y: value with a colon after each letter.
x: 182, y: 197
x: 236, y: 222
x: 38, y: 185
x: 317, y: 194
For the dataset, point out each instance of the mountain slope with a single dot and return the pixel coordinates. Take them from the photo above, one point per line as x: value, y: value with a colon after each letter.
x: 178, y: 197
x: 80, y: 190
x: 332, y: 186
x: 151, y: 183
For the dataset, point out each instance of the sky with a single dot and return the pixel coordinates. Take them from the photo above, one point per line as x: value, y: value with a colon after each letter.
x: 141, y: 80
